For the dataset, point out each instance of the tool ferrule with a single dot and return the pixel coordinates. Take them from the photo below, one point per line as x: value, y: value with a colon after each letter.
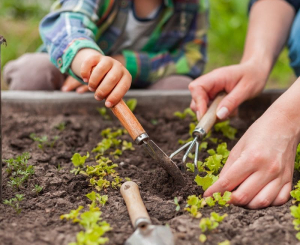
x: 199, y: 133
x: 141, y: 138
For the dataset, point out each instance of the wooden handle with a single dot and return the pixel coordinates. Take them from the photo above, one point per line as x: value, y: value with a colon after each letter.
x: 128, y: 120
x: 210, y: 117
x: 135, y: 206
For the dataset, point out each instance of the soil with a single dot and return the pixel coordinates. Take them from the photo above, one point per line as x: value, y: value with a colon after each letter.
x: 39, y: 221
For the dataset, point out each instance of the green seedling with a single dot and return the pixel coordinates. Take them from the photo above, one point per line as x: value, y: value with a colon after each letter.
x: 185, y: 113
x: 297, y: 159
x: 37, y: 189
x: 208, y: 224
x: 96, y: 199
x: 127, y: 146
x: 206, y: 181
x: 15, y: 202
x: 193, y: 204
x: 42, y: 142
x: 103, y: 112
x: 177, y: 204
x: 226, y: 242
x: 131, y: 103
x: 202, y: 238
x: 226, y: 129
x: 78, y: 162
x: 18, y: 170
x: 61, y: 126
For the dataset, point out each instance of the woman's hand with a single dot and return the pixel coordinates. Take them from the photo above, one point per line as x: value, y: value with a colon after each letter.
x: 241, y: 82
x: 260, y: 167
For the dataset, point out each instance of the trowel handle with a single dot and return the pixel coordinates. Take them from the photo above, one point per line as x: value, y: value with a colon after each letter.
x: 135, y: 206
x: 210, y: 117
x: 128, y: 120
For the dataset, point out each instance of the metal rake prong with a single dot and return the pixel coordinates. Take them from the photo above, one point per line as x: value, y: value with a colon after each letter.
x: 180, y: 149
x: 196, y: 157
x: 189, y: 150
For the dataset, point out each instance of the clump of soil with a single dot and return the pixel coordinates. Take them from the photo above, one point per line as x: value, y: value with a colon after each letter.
x: 39, y: 221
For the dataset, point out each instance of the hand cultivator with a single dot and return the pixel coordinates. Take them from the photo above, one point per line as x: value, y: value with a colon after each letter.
x: 203, y: 127
x: 140, y: 137
x: 145, y: 233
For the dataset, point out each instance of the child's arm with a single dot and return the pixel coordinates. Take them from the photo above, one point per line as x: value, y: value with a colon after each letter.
x: 187, y: 58
x: 69, y: 35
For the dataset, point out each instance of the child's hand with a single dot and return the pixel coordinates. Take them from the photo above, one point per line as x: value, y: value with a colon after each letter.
x: 105, y: 76
x: 72, y: 84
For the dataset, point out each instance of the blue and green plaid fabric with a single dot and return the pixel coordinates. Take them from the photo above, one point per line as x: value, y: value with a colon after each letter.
x: 177, y: 45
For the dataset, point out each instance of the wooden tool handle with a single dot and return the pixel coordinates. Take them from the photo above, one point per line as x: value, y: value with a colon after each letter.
x: 135, y: 206
x: 128, y: 120
x: 210, y: 117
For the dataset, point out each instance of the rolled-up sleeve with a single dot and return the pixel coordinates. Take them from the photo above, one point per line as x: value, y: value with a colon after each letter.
x: 67, y: 30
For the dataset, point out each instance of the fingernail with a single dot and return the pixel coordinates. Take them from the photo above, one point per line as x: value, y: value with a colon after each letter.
x: 98, y: 98
x: 64, y: 88
x: 85, y: 80
x: 198, y: 115
x: 222, y: 113
x: 91, y: 89
x: 108, y: 104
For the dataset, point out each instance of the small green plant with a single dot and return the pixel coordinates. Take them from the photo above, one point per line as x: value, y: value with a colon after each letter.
x: 18, y: 170
x: 78, y: 162
x: 15, y: 202
x: 185, y: 113
x: 61, y: 126
x: 226, y: 242
x: 226, y: 129
x: 131, y: 103
x: 127, y: 146
x: 208, y: 224
x: 202, y: 238
x: 103, y: 112
x: 37, y: 189
x: 97, y: 198
x: 206, y: 181
x: 42, y: 142
x: 177, y: 204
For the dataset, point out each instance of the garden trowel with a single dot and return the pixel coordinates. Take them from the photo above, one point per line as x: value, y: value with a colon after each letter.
x: 145, y: 233
x: 140, y: 137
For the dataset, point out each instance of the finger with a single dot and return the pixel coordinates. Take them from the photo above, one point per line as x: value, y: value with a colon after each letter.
x: 233, y: 177
x: 82, y: 89
x: 109, y: 82
x: 234, y: 154
x: 284, y: 195
x: 99, y: 72
x: 231, y: 101
x: 266, y: 196
x: 70, y: 84
x: 250, y: 188
x: 87, y: 66
x: 119, y: 91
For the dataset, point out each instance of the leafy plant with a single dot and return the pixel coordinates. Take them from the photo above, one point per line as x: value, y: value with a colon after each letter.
x: 206, y: 181
x: 185, y: 113
x: 127, y: 146
x: 78, y: 162
x: 103, y: 112
x: 61, y: 126
x: 226, y: 129
x: 18, y: 170
x: 226, y: 242
x: 177, y: 204
x: 208, y: 224
x: 202, y: 238
x: 131, y: 103
x: 15, y: 202
x: 43, y: 142
x: 97, y: 198
x: 37, y: 189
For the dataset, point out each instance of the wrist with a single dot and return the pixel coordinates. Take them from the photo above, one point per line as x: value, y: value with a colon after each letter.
x: 80, y: 57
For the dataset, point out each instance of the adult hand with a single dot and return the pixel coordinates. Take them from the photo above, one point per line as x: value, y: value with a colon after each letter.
x: 72, y: 84
x: 241, y: 82
x: 260, y: 167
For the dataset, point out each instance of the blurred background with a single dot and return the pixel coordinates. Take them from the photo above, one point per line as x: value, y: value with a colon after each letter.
x: 19, y: 20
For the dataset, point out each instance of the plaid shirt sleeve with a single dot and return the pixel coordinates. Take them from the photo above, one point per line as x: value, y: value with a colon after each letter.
x: 67, y: 30
x: 188, y: 58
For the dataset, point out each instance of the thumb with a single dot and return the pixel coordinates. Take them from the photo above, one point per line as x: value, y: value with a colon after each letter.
x: 230, y: 103
x: 70, y: 84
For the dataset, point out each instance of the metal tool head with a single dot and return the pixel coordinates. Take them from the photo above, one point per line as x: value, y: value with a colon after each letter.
x: 165, y: 161
x: 148, y: 234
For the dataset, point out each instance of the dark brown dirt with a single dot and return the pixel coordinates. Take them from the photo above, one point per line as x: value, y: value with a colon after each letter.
x: 39, y: 222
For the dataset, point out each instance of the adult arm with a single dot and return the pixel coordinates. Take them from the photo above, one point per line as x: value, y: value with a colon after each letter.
x: 269, y: 25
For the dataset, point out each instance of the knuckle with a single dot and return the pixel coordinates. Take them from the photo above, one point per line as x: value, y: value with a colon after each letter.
x: 280, y: 200
x: 100, y: 93
x: 112, y: 77
x: 224, y: 183
x: 274, y: 168
x: 263, y: 202
x: 240, y: 198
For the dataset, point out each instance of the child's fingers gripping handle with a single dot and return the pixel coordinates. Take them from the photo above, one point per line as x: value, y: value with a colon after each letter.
x: 210, y: 117
x: 128, y: 120
x: 135, y: 206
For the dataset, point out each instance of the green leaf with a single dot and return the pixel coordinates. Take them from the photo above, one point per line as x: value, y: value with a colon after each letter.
x: 179, y: 115
x: 192, y: 128
x: 214, y: 163
x: 78, y: 160
x: 210, y: 201
x: 131, y: 103
x: 226, y: 129
x: 202, y: 238
x: 190, y: 167
x: 206, y: 181
x: 226, y: 242
x: 203, y: 145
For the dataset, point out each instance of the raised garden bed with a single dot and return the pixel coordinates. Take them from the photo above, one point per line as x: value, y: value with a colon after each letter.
x: 39, y: 221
